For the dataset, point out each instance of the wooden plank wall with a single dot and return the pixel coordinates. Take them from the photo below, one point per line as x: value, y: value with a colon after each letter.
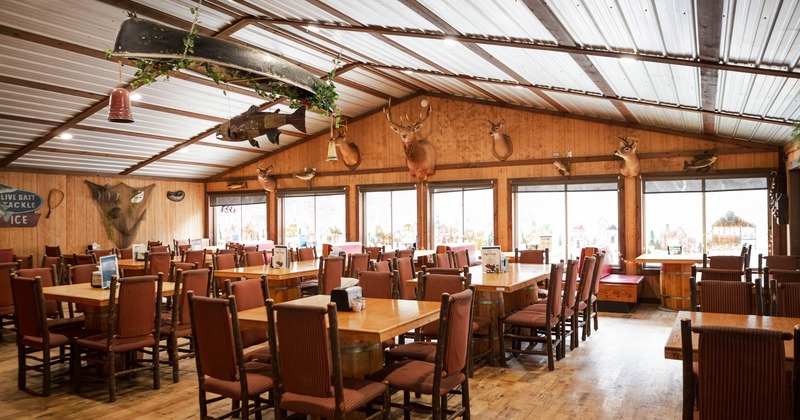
x: 77, y: 222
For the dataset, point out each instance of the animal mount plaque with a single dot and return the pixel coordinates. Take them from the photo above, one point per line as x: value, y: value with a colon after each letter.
x: 18, y: 207
x: 700, y: 163
x: 307, y: 174
x: 176, y: 196
x: 502, y: 147
x: 267, y: 181
x: 253, y: 123
x: 562, y: 166
x: 420, y: 154
x: 630, y: 160
x: 350, y: 155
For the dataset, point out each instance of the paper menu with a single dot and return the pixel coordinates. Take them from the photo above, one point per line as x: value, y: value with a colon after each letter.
x: 281, y: 257
x: 197, y: 244
x: 491, y: 259
x: 108, y: 268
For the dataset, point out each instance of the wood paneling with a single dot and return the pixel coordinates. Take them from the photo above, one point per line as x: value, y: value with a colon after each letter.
x: 78, y: 222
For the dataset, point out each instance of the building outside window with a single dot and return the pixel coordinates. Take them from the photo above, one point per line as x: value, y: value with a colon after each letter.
x: 311, y: 218
x: 389, y: 216
x: 565, y: 217
x: 240, y: 217
x: 462, y: 212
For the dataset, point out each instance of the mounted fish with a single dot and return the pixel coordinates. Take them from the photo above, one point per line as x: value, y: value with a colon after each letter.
x: 236, y: 185
x: 307, y: 174
x: 701, y: 163
x: 267, y: 181
x: 253, y: 123
x: 562, y: 166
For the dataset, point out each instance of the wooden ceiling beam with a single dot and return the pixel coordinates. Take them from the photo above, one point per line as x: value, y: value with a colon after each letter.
x: 709, y: 31
x: 142, y: 10
x: 524, y: 44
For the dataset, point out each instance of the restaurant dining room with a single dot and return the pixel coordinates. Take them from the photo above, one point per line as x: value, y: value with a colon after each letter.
x: 412, y: 209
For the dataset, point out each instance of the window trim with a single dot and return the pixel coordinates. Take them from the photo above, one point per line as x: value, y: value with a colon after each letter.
x: 464, y: 185
x: 305, y: 192
x: 361, y: 207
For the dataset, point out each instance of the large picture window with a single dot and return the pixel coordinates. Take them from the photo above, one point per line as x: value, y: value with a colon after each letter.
x: 566, y: 217
x: 311, y: 218
x: 389, y: 216
x: 462, y: 213
x: 711, y: 215
x: 239, y: 217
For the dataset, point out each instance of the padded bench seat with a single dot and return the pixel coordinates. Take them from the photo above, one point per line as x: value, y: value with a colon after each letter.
x: 619, y: 291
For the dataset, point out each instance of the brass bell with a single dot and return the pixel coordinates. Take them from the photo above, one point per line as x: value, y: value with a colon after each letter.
x: 332, y: 152
x: 119, y: 109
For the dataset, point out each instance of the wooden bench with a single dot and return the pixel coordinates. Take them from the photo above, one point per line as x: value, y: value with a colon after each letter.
x: 618, y: 292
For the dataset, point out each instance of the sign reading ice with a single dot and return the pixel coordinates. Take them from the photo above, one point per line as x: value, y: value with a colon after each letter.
x: 17, y: 207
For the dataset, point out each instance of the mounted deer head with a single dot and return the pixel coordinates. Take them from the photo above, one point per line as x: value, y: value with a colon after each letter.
x: 501, y: 142
x: 351, y: 156
x: 420, y: 154
x: 267, y: 181
x: 630, y: 161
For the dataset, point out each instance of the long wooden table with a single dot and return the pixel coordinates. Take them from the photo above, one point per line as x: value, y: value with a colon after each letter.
x: 361, y: 333
x: 132, y: 264
x: 672, y: 348
x: 94, y: 299
x: 674, y: 278
x: 284, y: 283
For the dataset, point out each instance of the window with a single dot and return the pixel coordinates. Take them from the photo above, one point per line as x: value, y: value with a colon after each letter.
x: 462, y: 213
x: 311, y: 218
x: 566, y: 217
x: 389, y: 216
x: 711, y: 215
x: 239, y: 217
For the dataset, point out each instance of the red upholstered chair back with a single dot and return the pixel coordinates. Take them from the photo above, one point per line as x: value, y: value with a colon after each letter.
x: 306, y: 254
x: 198, y: 257
x: 6, y: 299
x: 224, y: 261
x: 135, y: 306
x: 249, y: 294
x: 599, y: 267
x: 254, y: 258
x: 444, y: 260
x: 784, y: 276
x: 587, y: 276
x: 30, y: 318
x: 722, y: 274
x: 357, y: 263
x: 100, y: 253
x: 387, y: 255
x: 378, y: 284
x: 52, y: 261
x: 788, y: 300
x: 405, y: 271
x: 461, y: 258
x: 742, y: 373
x: 571, y: 284
x: 249, y: 248
x: 49, y: 278
x: 52, y: 251
x: 405, y: 253
x: 554, y: 292
x: 157, y: 262
x: 458, y: 329
x: 330, y: 274
x: 84, y: 259
x: 196, y: 281
x: 533, y: 256
x: 225, y: 251
x: 215, y: 336
x: 727, y: 297
x: 303, y: 350
x: 81, y: 273
x: 175, y: 266
x: 373, y: 251
x: 431, y: 286
x: 126, y: 253
x: 727, y: 262
x: 383, y: 266
x: 782, y: 262
x: 159, y: 248
x: 6, y: 255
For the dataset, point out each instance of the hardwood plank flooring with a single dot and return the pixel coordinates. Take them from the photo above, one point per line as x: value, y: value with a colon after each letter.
x: 618, y: 373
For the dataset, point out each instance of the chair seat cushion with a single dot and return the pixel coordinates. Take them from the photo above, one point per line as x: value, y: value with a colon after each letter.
x: 390, y: 343
x: 180, y: 331
x: 259, y: 381
x: 416, y: 376
x: 259, y: 354
x: 530, y: 318
x: 56, y: 340
x: 418, y: 350
x: 99, y: 342
x: 357, y: 393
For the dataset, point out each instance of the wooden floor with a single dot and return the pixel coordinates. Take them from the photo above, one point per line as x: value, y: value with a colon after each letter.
x: 618, y: 373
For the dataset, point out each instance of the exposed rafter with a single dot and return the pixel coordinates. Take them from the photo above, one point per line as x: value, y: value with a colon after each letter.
x: 709, y: 31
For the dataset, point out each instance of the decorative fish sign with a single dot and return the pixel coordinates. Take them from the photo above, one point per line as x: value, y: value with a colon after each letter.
x: 307, y: 174
x: 701, y: 163
x: 253, y: 123
x: 562, y: 167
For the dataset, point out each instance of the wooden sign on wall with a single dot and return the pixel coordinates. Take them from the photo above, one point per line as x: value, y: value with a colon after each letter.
x: 17, y: 207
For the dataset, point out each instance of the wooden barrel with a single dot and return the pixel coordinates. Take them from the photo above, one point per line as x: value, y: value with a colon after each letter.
x: 521, y: 298
x: 96, y: 317
x: 360, y: 358
x: 286, y: 291
x: 675, y: 291
x: 489, y: 305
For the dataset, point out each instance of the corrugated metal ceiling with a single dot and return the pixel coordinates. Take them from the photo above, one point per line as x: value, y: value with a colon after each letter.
x: 527, y: 53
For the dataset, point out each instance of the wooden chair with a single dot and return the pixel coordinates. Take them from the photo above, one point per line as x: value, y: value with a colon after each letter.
x: 132, y: 324
x: 175, y: 266
x: 52, y: 251
x: 79, y: 274
x: 542, y: 326
x: 382, y: 266
x: 532, y: 256
x: 583, y: 302
x: 177, y: 325
x: 58, y: 262
x: 384, y: 285
x: 405, y: 270
x: 741, y: 373
x: 34, y: 335
x: 160, y: 248
x: 306, y: 254
x: 330, y: 274
x: 447, y: 372
x: 151, y: 244
x: 725, y: 262
x: 373, y: 251
x: 357, y: 263
x: 125, y: 253
x: 157, y: 262
x: 787, y: 299
x: 727, y: 297
x: 307, y: 363
x: 781, y: 262
x: 49, y: 278
x: 198, y: 257
x: 406, y: 253
x: 387, y: 255
x: 81, y: 259
x: 221, y: 366
x: 461, y: 258
x: 444, y: 260
x: 100, y: 253
x: 593, y: 310
x: 6, y: 298
x: 308, y: 284
x: 725, y: 274
x: 222, y: 262
x: 251, y: 293
x: 255, y: 258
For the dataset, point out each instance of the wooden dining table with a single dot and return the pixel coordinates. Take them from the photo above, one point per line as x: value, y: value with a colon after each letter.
x: 361, y: 333
x: 284, y: 283
x: 132, y: 264
x: 672, y: 348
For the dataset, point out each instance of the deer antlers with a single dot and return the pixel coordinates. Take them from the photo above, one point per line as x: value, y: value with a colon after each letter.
x: 420, y: 154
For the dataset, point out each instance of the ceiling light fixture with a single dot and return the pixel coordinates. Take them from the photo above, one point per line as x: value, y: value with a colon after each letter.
x: 65, y: 136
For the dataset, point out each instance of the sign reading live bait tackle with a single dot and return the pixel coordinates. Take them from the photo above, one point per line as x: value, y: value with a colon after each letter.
x: 17, y: 207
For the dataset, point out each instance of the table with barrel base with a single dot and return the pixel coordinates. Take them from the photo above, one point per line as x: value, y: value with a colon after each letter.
x: 284, y: 283
x: 674, y: 277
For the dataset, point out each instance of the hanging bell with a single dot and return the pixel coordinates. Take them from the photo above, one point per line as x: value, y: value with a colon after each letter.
x: 332, y: 152
x: 119, y: 106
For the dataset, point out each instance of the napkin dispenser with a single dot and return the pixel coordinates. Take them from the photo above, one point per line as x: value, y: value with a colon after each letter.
x: 97, y: 279
x: 342, y: 297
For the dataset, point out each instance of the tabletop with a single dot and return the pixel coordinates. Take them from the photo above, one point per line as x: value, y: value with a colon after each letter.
x: 672, y: 348
x: 670, y: 258
x: 518, y: 276
x: 85, y: 294
x: 295, y: 270
x: 381, y: 320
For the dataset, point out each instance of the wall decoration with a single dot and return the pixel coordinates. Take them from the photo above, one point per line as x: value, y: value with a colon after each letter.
x: 236, y: 185
x: 176, y: 196
x: 420, y: 154
x: 123, y: 208
x: 562, y: 166
x: 17, y: 207
x: 700, y: 163
x: 351, y: 156
x: 307, y: 174
x: 267, y: 181
x: 253, y: 123
x: 630, y: 160
x: 502, y: 147
x: 54, y: 199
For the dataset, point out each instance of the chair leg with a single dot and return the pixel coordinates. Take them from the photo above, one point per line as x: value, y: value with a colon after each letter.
x: 387, y: 405
x: 550, y: 364
x: 46, y: 373
x: 573, y: 340
x: 22, y: 367
x: 406, y: 405
x: 174, y: 356
x: 436, y: 407
x: 156, y: 376
x: 465, y: 398
x: 203, y: 408
x: 587, y: 320
x: 77, y: 357
x: 596, y: 316
x: 112, y: 377
x: 501, y: 343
